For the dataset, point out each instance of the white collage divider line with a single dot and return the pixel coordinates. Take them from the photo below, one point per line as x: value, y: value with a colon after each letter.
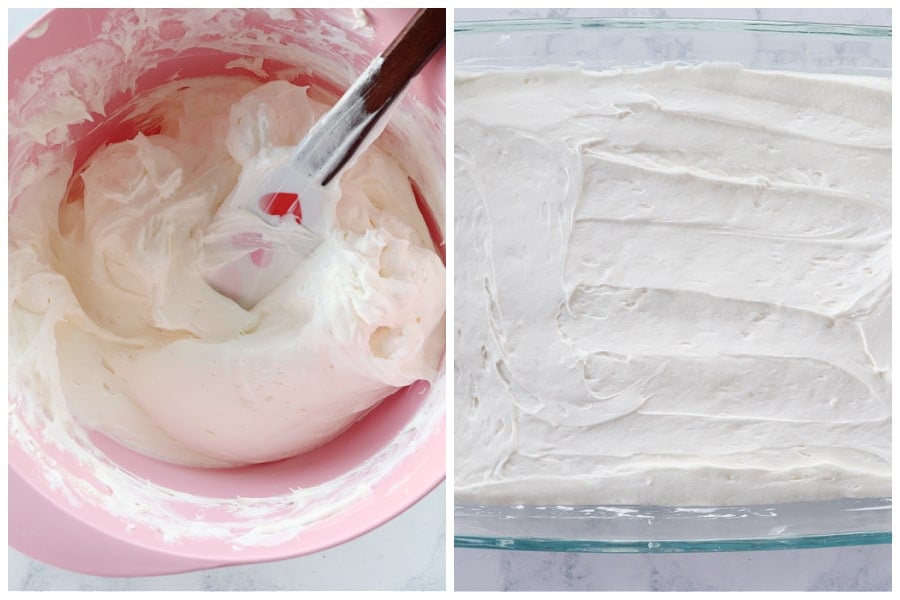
x: 449, y: 343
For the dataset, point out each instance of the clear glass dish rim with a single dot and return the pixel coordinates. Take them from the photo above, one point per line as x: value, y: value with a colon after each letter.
x: 637, y: 543
x: 666, y: 24
x: 649, y: 546
x: 742, y: 543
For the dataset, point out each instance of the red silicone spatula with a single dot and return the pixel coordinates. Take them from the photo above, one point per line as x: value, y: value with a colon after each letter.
x: 276, y: 214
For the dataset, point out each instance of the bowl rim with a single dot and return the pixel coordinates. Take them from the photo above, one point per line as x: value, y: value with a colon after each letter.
x: 389, y: 498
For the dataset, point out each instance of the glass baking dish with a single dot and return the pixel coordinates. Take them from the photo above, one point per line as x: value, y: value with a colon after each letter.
x: 598, y: 44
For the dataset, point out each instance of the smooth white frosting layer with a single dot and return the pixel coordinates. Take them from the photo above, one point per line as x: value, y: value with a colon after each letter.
x: 138, y: 344
x: 672, y: 286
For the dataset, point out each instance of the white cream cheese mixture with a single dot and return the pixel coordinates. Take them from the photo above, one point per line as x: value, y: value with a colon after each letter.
x: 672, y: 286
x: 140, y: 347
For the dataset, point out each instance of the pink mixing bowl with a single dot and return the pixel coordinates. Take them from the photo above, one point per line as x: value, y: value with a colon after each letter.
x: 164, y: 518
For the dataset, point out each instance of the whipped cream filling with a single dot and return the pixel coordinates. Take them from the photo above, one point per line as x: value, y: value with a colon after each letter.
x: 144, y: 350
x: 673, y: 286
x: 56, y: 109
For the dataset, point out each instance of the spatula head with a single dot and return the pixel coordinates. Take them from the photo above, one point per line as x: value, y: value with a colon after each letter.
x: 252, y: 246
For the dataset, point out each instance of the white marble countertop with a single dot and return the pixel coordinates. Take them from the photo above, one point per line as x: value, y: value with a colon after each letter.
x: 858, y: 568
x: 849, y: 568
x: 849, y: 16
x: 407, y: 553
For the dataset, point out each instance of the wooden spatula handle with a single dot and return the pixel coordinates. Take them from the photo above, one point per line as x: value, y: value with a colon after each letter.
x: 353, y: 121
x: 408, y: 53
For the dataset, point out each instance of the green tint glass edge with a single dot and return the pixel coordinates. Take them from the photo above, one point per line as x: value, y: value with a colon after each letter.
x: 510, y: 26
x: 631, y: 546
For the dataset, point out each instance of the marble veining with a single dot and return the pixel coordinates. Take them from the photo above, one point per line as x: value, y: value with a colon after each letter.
x: 863, y: 568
